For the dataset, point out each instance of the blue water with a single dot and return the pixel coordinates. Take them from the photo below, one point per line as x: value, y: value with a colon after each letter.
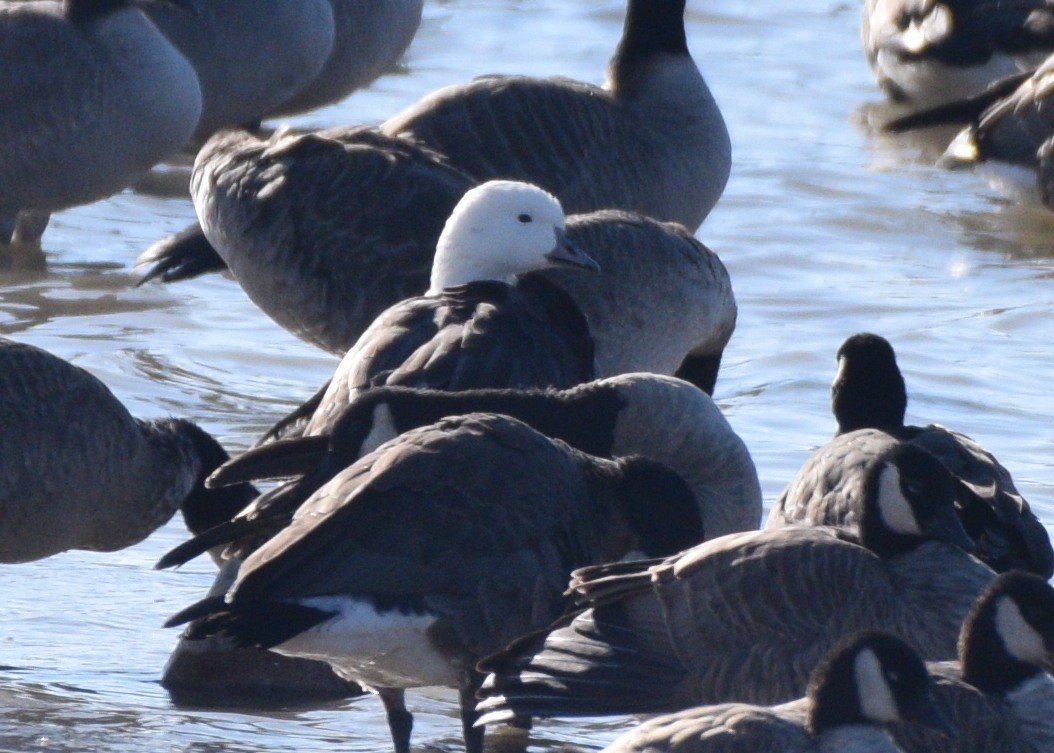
x: 826, y: 229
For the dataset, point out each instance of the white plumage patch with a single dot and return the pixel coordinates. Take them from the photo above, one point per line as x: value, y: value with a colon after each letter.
x: 383, y: 429
x: 876, y: 697
x: 894, y: 507
x: 1021, y: 640
x: 379, y: 650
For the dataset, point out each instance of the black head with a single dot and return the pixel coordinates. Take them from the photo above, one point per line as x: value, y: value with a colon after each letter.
x: 1008, y: 635
x: 204, y: 508
x: 659, y: 506
x: 871, y: 678
x: 868, y: 390
x: 909, y: 497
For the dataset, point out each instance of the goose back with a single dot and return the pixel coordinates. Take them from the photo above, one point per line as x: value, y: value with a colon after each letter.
x: 79, y: 472
x: 483, y: 334
x: 302, y: 254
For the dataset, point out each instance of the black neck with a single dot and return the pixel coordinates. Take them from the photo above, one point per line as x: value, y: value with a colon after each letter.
x: 653, y: 28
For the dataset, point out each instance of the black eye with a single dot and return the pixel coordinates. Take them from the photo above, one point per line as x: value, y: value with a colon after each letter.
x: 524, y: 218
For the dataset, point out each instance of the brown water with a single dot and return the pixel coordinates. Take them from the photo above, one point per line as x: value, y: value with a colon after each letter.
x: 825, y: 228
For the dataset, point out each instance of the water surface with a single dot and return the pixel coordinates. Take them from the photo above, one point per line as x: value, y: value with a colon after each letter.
x: 826, y: 228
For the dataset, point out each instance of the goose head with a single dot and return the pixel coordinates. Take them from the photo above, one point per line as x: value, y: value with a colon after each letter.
x: 871, y: 678
x: 1008, y: 635
x: 499, y: 230
x: 909, y: 497
x: 868, y: 389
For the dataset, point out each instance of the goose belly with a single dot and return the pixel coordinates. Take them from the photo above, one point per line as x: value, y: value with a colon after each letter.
x: 378, y: 649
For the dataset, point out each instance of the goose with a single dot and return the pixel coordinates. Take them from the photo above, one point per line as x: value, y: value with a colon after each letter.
x: 479, y: 324
x: 369, y: 36
x: 250, y: 55
x: 78, y: 472
x: 658, y: 417
x: 1004, y: 131
x: 928, y: 52
x: 91, y: 95
x: 652, y: 139
x: 865, y: 683
x: 869, y: 400
x: 999, y: 695
x: 324, y: 265
x: 440, y: 547
x: 744, y: 617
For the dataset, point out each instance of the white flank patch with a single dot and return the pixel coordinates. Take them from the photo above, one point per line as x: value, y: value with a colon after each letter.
x: 1022, y: 641
x: 876, y: 697
x: 930, y: 82
x: 383, y: 429
x: 893, y: 505
x: 389, y: 650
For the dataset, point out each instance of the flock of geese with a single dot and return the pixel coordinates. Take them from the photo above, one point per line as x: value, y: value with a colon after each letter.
x: 510, y: 485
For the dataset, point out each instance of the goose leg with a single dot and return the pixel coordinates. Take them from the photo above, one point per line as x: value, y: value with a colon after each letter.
x: 470, y: 683
x: 400, y: 721
x: 29, y: 226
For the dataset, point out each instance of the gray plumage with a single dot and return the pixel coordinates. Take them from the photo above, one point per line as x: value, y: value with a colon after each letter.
x: 250, y: 55
x: 77, y: 471
x: 866, y: 682
x: 658, y: 417
x: 745, y: 617
x: 869, y: 400
x: 91, y: 95
x: 933, y: 52
x: 999, y: 695
x: 368, y: 38
x: 455, y: 525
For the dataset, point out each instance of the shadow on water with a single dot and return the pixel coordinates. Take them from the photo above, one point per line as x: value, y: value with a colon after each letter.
x: 31, y: 297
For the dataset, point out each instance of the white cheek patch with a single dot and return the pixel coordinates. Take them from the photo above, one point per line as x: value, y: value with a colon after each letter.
x: 840, y: 372
x: 1021, y: 640
x: 383, y: 429
x: 876, y: 697
x: 894, y: 507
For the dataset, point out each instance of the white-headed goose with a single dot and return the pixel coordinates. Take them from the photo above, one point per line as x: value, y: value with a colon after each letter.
x: 440, y: 547
x: 481, y: 323
x: 999, y: 696
x: 869, y: 401
x: 931, y: 51
x: 91, y: 95
x: 78, y: 472
x: 661, y: 418
x: 250, y: 55
x: 862, y: 685
x: 745, y: 617
x: 368, y: 38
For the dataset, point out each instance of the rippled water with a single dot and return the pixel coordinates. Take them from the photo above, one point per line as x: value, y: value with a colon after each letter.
x: 826, y: 229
